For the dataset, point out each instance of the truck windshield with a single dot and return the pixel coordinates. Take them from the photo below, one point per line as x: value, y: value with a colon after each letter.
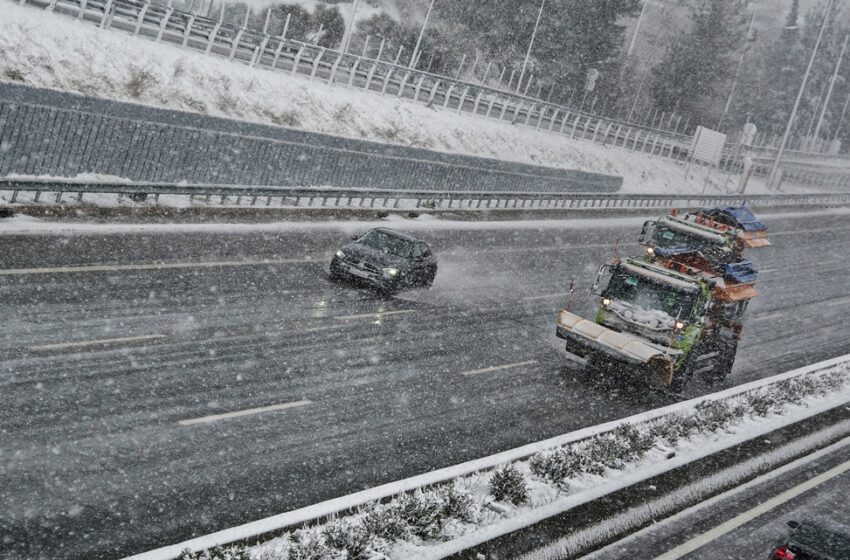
x: 648, y: 294
x: 667, y: 239
x: 387, y: 243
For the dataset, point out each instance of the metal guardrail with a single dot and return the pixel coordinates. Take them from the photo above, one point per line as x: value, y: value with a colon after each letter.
x: 160, y: 22
x: 385, y: 198
x: 50, y: 133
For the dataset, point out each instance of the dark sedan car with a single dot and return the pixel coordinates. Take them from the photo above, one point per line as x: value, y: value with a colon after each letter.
x: 810, y: 541
x: 387, y: 260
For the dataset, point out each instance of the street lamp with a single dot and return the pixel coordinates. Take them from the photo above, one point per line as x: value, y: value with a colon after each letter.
x: 530, y: 45
x: 350, y: 31
x: 415, y: 54
x: 771, y: 178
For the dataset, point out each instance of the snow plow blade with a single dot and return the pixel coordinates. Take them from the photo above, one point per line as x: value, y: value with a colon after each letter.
x: 585, y: 338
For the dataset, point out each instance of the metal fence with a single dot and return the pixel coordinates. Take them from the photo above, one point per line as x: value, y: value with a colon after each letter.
x: 160, y: 22
x: 240, y: 195
x: 44, y: 132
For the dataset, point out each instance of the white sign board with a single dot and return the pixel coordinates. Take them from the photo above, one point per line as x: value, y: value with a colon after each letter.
x: 748, y: 136
x: 707, y: 146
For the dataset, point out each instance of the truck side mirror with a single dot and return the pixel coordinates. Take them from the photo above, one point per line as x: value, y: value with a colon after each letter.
x: 645, y: 233
x: 595, y: 289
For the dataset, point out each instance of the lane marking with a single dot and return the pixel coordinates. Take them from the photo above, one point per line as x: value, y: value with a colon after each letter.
x: 376, y: 315
x: 246, y: 412
x: 758, y: 318
x: 498, y: 368
x: 98, y: 342
x: 839, y: 301
x: 749, y: 515
x: 151, y: 266
x: 544, y: 296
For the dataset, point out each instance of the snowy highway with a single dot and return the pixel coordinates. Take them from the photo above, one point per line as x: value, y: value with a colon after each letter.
x: 160, y: 385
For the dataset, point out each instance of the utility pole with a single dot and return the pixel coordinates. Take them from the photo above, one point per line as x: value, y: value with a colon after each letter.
x: 350, y: 31
x: 530, y: 44
x: 637, y: 96
x: 841, y: 120
x: 637, y: 27
x: 771, y: 178
x: 737, y: 72
x: 421, y: 34
x: 831, y: 85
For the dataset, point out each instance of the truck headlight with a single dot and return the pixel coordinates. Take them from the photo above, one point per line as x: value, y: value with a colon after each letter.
x: 391, y: 272
x: 606, y: 302
x: 340, y: 254
x: 680, y: 325
x: 650, y: 251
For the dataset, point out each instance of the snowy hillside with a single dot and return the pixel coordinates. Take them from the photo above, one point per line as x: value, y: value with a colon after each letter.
x: 54, y: 51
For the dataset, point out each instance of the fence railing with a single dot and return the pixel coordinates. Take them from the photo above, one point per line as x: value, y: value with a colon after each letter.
x: 50, y: 133
x: 163, y: 23
x: 406, y: 199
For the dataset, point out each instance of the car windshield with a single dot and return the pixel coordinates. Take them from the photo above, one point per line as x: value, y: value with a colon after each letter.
x: 648, y: 294
x: 387, y: 243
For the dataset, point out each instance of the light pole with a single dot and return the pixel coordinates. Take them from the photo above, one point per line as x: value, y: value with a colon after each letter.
x: 831, y: 85
x: 841, y: 120
x: 771, y: 178
x: 421, y: 34
x: 530, y: 44
x: 637, y: 27
x: 350, y: 31
x: 737, y: 73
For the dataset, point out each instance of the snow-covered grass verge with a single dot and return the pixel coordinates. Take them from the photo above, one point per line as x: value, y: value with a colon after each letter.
x: 54, y: 51
x: 448, y: 511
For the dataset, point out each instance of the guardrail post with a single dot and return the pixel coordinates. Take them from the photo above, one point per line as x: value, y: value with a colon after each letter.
x: 635, y: 141
x: 564, y: 120
x: 334, y: 68
x: 59, y: 196
x: 462, y: 100
x: 433, y: 92
x: 141, y: 17
x: 528, y: 115
x: 316, y: 63
x: 402, y: 84
x: 504, y: 109
x: 552, y: 119
x: 575, y: 126
x: 52, y: 5
x: 369, y: 75
x: 596, y: 131
x: 213, y: 34
x: 164, y: 23
x: 261, y: 50
x: 387, y: 80
x: 188, y: 31
x: 296, y: 61
x: 82, y: 9
x: 418, y: 88
x: 80, y: 196
x: 477, y: 102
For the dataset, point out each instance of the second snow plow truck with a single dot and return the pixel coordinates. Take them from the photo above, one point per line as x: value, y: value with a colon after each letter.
x: 676, y: 311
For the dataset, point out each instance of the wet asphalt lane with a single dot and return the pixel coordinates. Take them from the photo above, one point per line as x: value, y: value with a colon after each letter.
x: 95, y: 463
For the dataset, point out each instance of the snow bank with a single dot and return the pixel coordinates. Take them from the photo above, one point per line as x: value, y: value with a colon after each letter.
x: 55, y: 51
x: 695, y: 429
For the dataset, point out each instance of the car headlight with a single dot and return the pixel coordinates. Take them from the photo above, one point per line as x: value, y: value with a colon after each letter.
x: 391, y: 272
x: 340, y: 254
x: 680, y: 325
x: 606, y: 302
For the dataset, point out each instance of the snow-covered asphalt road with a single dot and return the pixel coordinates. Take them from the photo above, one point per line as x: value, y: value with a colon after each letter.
x: 161, y: 385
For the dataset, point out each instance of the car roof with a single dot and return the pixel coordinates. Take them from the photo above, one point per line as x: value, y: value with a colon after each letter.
x: 399, y: 234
